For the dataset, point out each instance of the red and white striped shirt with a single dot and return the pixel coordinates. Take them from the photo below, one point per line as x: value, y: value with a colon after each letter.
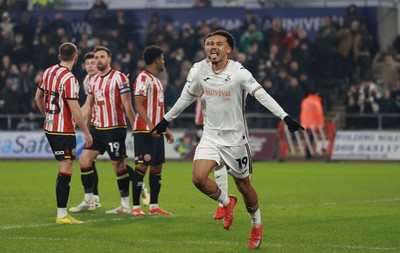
x: 150, y: 88
x: 59, y: 85
x: 107, y: 91
x: 86, y: 82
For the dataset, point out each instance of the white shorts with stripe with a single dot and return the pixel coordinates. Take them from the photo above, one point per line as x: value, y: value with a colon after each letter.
x: 236, y: 158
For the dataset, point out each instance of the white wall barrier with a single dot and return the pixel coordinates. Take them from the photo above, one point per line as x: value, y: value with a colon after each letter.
x: 28, y: 145
x: 366, y: 145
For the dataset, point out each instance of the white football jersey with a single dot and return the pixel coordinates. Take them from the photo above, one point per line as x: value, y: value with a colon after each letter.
x: 224, y: 94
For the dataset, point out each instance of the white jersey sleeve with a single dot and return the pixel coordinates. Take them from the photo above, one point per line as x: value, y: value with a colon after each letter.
x: 250, y: 84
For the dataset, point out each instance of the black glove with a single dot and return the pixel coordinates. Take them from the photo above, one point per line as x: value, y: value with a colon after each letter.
x: 292, y: 124
x: 161, y: 127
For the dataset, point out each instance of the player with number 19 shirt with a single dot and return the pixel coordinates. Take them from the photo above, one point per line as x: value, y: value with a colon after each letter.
x: 107, y: 92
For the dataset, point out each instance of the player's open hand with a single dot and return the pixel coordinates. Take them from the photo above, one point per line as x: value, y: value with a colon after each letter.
x: 88, y: 140
x: 292, y: 124
x: 169, y: 136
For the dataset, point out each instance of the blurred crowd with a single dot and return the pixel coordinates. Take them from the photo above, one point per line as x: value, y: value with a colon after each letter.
x: 287, y: 63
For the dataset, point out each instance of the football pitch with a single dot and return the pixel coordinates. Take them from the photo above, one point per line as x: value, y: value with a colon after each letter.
x: 306, y: 207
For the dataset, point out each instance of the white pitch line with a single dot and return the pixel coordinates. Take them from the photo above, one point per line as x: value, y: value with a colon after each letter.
x: 197, y: 214
x: 335, y: 203
x: 211, y: 243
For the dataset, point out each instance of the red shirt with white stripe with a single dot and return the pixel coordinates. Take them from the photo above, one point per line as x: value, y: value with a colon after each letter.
x: 86, y: 82
x: 107, y: 91
x: 58, y: 85
x: 150, y: 88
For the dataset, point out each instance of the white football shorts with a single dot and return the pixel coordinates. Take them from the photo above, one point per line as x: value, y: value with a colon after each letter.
x: 236, y: 158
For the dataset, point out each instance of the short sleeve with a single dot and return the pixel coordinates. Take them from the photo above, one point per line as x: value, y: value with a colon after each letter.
x: 71, y: 88
x: 141, y: 86
x: 123, y: 83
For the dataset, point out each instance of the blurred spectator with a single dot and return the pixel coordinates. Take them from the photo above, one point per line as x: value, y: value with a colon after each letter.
x: 249, y: 18
x: 20, y: 52
x: 352, y: 108
x: 291, y: 39
x: 7, y: 29
x: 302, y: 50
x: 386, y: 69
x: 352, y: 15
x: 275, y: 35
x: 251, y: 35
x: 41, y: 50
x: 5, y: 69
x: 294, y: 69
x: 170, y: 93
x: 25, y: 86
x: 371, y: 92
x: 270, y: 121
x: 367, y: 49
x: 306, y: 83
x: 350, y: 43
x: 28, y: 124
x: 367, y: 119
x: 387, y: 105
x: 325, y: 47
x: 202, y: 4
x: 274, y: 58
x: 26, y: 29
x: 292, y: 98
x: 188, y: 41
x: 58, y: 22
x: 10, y: 102
x: 153, y: 29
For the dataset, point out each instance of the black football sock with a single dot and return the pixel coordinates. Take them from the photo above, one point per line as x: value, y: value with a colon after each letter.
x: 87, y: 177
x: 62, y: 189
x: 95, y: 179
x: 137, y: 183
x: 155, y: 186
x: 123, y: 183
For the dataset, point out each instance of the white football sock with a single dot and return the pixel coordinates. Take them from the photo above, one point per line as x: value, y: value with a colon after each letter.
x: 255, y: 218
x: 89, y: 197
x: 61, y: 212
x: 125, y: 202
x: 221, y: 178
x: 153, y: 206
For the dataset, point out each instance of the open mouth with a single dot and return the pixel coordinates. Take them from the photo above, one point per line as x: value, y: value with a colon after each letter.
x: 214, y: 55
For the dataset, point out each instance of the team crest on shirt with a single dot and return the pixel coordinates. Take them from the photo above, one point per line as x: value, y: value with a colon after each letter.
x: 227, y: 79
x: 147, y: 157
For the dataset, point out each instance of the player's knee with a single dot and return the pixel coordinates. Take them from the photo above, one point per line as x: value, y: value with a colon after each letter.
x: 199, y: 182
x: 140, y: 167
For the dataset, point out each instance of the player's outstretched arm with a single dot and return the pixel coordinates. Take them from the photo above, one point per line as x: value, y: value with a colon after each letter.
x: 78, y: 117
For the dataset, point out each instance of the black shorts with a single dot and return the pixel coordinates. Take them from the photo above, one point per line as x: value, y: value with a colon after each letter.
x: 149, y: 150
x: 110, y: 140
x: 63, y: 146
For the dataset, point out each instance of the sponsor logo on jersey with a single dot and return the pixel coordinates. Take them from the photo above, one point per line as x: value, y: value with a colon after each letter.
x: 218, y: 92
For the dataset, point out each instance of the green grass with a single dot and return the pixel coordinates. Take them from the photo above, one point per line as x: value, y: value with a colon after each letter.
x: 306, y: 207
